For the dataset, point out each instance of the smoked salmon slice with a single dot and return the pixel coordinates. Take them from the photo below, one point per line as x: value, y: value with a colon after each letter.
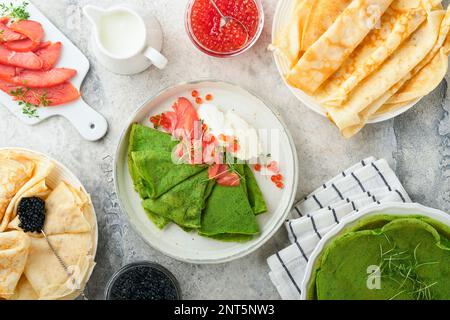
x: 22, y: 45
x: 6, y: 34
x: 27, y: 60
x: 52, y: 96
x: 37, y: 79
x: 50, y: 55
x: 31, y: 29
x: 223, y: 175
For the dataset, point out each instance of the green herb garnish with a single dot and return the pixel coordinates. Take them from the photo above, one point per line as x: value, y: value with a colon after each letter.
x: 15, y: 12
x: 29, y: 109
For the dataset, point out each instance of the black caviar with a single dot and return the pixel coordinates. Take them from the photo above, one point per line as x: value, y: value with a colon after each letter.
x: 31, y: 213
x: 143, y: 282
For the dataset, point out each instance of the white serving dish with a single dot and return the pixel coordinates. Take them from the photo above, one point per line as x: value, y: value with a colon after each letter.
x: 190, y: 247
x: 397, y: 209
x: 282, y: 16
x: 62, y: 174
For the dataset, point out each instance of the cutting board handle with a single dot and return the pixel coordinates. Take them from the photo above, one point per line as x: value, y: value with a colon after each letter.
x: 90, y: 124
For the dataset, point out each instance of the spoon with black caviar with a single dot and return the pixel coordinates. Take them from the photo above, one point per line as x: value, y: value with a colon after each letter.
x: 31, y: 212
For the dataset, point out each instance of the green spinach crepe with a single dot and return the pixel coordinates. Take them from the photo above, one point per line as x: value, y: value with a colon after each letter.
x: 185, y: 195
x: 184, y: 203
x: 412, y: 255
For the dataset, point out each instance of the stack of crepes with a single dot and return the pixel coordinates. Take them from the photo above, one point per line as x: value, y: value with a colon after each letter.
x: 27, y: 65
x: 28, y: 268
x: 360, y: 58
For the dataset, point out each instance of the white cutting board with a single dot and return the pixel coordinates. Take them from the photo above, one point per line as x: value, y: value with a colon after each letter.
x: 91, y: 125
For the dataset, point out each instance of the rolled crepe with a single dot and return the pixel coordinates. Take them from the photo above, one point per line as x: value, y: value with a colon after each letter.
x: 15, y: 171
x: 289, y: 41
x: 321, y: 17
x: 14, y: 248
x: 42, y: 169
x: 330, y: 51
x: 396, y: 26
x: 427, y: 75
x: 393, y: 71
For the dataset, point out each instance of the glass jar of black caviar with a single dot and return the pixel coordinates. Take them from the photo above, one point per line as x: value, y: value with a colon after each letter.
x: 143, y: 281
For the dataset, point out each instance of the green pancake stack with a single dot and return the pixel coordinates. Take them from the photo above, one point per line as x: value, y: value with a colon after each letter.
x: 386, y: 258
x: 183, y: 194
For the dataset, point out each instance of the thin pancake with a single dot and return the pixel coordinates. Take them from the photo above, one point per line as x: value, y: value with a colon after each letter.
x: 433, y: 66
x: 14, y: 247
x: 288, y: 41
x: 394, y: 70
x: 15, y: 171
x: 323, y: 14
x: 396, y: 26
x: 328, y: 53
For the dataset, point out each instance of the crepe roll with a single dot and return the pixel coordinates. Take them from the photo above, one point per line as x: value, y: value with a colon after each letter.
x: 330, y: 51
x: 288, y: 42
x: 393, y: 71
x: 322, y: 16
x: 396, y: 26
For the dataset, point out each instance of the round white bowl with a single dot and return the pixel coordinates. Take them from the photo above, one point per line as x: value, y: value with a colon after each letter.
x: 62, y: 174
x: 190, y: 247
x: 282, y: 16
x: 395, y: 209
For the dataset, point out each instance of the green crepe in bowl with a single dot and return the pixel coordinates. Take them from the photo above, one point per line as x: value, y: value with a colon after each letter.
x: 228, y: 215
x: 184, y: 203
x: 412, y: 255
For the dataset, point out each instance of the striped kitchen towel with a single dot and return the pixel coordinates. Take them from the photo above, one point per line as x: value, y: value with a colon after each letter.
x: 367, y: 183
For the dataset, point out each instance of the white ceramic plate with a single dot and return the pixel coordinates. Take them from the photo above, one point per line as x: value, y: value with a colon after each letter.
x: 397, y: 209
x: 190, y: 247
x: 282, y: 16
x: 62, y: 174
x: 91, y: 125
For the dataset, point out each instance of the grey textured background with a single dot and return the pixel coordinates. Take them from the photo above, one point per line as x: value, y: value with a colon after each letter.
x: 416, y: 144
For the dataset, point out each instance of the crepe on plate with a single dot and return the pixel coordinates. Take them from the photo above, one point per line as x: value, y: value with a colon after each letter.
x: 376, y: 57
x: 26, y: 259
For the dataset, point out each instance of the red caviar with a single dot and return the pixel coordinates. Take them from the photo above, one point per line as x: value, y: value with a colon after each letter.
x: 209, y: 97
x: 195, y: 94
x: 198, y: 100
x: 205, y: 23
x: 258, y: 167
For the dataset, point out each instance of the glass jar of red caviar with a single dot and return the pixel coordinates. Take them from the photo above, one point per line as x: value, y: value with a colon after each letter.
x: 204, y: 28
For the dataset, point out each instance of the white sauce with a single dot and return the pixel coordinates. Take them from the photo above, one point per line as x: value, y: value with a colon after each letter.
x: 121, y: 33
x: 230, y: 124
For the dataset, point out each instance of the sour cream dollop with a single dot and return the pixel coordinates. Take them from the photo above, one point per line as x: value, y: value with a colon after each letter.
x: 232, y: 125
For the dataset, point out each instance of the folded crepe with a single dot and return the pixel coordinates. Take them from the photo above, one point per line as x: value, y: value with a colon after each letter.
x: 42, y: 168
x: 143, y: 138
x: 24, y: 290
x: 394, y: 70
x: 184, y: 203
x: 74, y: 249
x: 160, y: 173
x: 15, y: 171
x: 14, y: 248
x: 330, y: 51
x: 255, y: 196
x: 396, y: 25
x: 228, y: 215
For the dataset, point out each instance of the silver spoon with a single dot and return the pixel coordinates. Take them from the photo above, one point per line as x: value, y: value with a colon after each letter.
x: 225, y: 19
x: 63, y: 264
